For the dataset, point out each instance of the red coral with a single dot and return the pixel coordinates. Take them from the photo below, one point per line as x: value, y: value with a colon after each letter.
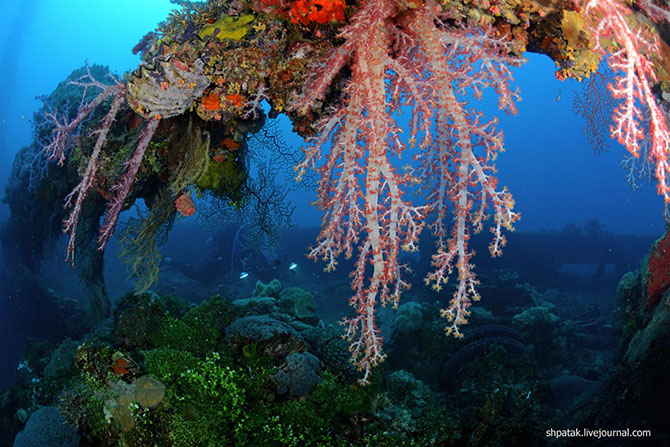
x: 304, y: 12
x: 319, y: 11
x: 211, y: 102
x: 657, y: 279
x: 185, y: 205
x: 120, y: 367
x: 236, y: 99
x: 230, y: 144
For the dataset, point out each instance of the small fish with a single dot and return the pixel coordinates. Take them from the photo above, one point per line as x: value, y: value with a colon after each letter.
x: 558, y: 97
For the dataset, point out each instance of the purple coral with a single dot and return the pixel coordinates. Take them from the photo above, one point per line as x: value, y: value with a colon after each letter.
x: 164, y: 91
x: 63, y: 132
x: 122, y: 190
x: 62, y: 137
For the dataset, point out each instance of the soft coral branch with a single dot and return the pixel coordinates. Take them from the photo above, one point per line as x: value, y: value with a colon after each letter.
x: 405, y: 58
x: 657, y: 12
x: 88, y: 179
x: 62, y: 136
x: 122, y: 190
x: 64, y: 132
x: 62, y: 140
x: 460, y: 176
x: 360, y: 192
x: 611, y: 19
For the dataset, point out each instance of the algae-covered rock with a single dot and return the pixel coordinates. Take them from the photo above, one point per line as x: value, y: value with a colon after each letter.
x: 646, y: 343
x: 61, y: 365
x: 301, y: 326
x: 628, y: 300
x: 409, y: 317
x: 408, y: 401
x: 118, y: 407
x: 297, y: 302
x: 628, y: 286
x: 258, y: 305
x: 534, y: 318
x: 145, y: 392
x: 298, y: 375
x: 328, y: 344
x: 567, y: 389
x: 136, y: 318
x: 274, y: 337
x: 148, y: 391
x: 47, y: 428
x: 273, y: 288
x: 223, y: 178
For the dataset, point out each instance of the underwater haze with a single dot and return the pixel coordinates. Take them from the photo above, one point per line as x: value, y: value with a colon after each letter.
x: 251, y: 223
